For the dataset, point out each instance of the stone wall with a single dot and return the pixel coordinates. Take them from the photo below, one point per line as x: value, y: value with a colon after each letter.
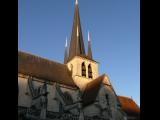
x: 103, y: 107
x: 76, y: 63
x: 25, y: 98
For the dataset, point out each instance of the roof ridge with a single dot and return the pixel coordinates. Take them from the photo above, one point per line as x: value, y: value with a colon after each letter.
x: 43, y: 68
x: 38, y: 57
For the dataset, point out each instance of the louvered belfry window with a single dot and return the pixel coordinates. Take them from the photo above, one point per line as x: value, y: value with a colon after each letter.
x: 89, y: 71
x: 83, y: 69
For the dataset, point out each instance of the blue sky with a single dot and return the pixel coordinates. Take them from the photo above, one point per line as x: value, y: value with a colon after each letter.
x: 114, y: 27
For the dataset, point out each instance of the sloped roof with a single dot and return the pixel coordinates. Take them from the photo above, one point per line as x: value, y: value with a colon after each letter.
x: 86, y: 57
x: 129, y: 106
x: 76, y: 43
x: 91, y: 90
x: 44, y: 69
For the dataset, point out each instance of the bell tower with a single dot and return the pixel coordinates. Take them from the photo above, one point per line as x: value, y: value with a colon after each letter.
x: 83, y: 67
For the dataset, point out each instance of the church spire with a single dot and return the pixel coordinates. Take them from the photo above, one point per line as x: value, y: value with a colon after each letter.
x: 89, y: 47
x: 76, y: 43
x: 66, y: 53
x: 76, y: 2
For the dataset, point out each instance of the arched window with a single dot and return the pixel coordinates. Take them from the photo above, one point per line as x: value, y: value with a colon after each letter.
x: 60, y: 107
x: 83, y: 69
x: 68, y: 98
x: 107, y: 98
x: 89, y: 71
x: 18, y: 89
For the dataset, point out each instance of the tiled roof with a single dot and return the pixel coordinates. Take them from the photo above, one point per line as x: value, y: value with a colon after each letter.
x: 44, y: 69
x: 91, y: 90
x: 129, y: 106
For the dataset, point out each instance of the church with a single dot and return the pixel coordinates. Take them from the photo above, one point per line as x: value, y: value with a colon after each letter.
x: 73, y: 90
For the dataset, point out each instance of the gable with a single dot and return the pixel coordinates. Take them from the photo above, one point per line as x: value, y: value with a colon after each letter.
x: 106, y: 80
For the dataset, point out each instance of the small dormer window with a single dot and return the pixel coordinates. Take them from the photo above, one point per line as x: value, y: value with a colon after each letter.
x: 83, y: 69
x: 90, y: 71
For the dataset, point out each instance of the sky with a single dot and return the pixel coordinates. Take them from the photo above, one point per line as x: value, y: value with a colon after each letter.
x: 114, y: 26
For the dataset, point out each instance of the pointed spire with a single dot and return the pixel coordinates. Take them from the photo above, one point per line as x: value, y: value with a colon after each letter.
x: 88, y: 37
x: 66, y: 53
x: 66, y: 42
x: 76, y: 2
x: 89, y: 47
x: 77, y: 32
x: 76, y: 43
